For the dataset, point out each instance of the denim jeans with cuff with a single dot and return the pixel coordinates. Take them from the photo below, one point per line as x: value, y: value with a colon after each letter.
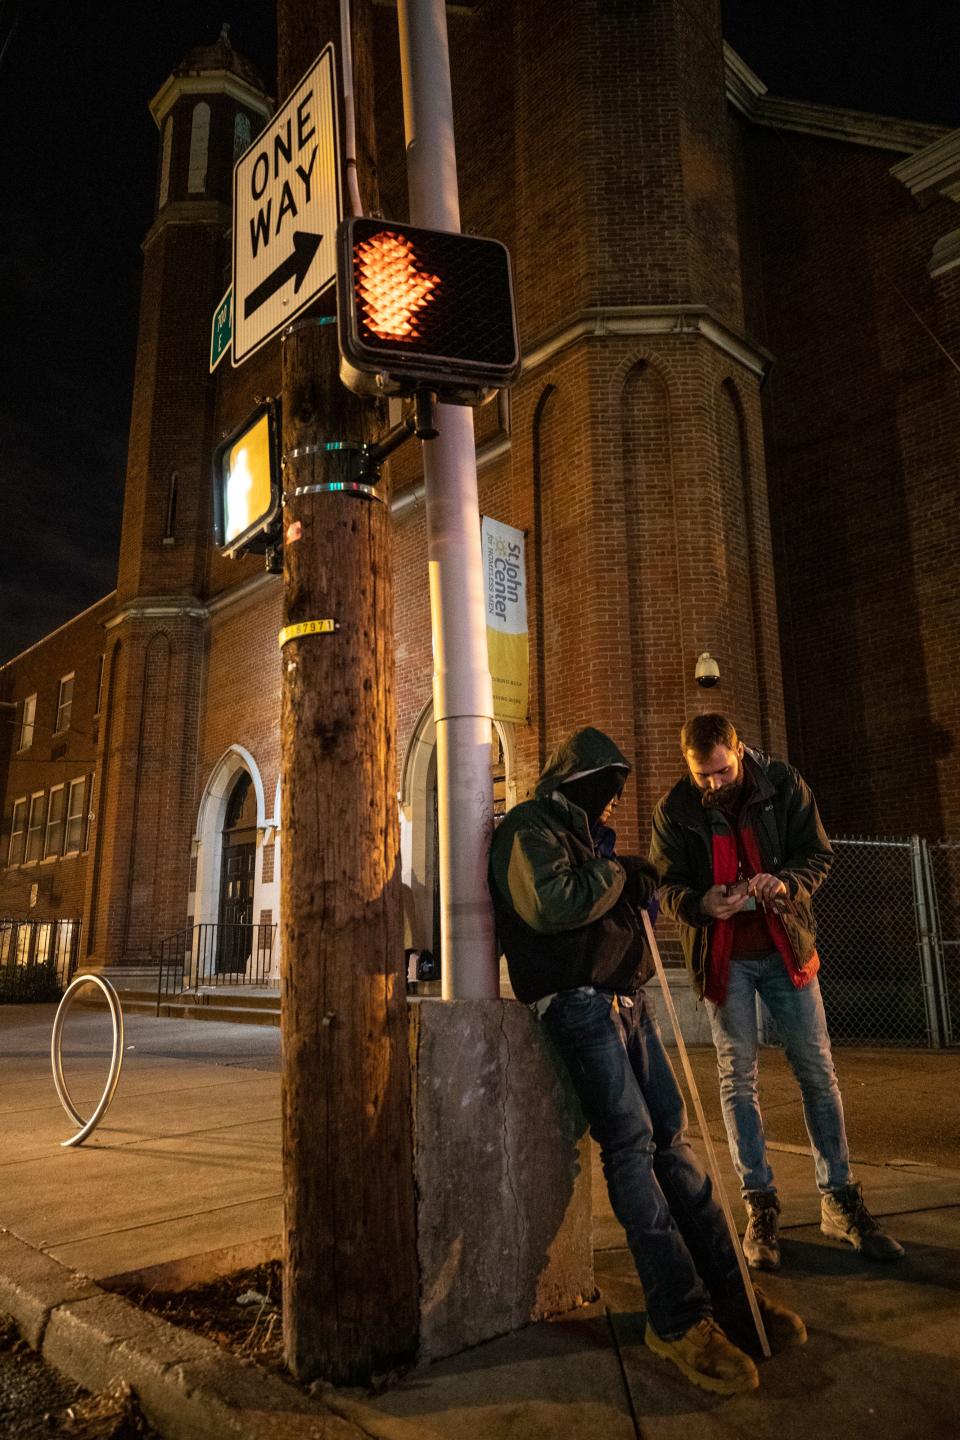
x: 658, y: 1190
x: 803, y: 1028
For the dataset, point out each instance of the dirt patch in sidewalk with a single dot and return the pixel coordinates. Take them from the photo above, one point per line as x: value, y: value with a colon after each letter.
x: 240, y: 1312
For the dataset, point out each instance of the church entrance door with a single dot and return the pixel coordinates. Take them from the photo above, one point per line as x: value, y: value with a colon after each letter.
x: 237, y: 867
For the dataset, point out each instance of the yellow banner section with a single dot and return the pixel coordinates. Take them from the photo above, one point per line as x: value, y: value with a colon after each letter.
x: 509, y: 667
x: 505, y: 587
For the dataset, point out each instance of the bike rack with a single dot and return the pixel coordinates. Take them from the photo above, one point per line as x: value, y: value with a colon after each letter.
x: 86, y: 1127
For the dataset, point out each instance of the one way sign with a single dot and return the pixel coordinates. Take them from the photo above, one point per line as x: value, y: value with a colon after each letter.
x: 286, y: 206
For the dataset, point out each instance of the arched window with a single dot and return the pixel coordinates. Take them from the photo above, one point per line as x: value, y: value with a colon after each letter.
x: 199, y: 146
x: 241, y: 134
x: 165, y: 162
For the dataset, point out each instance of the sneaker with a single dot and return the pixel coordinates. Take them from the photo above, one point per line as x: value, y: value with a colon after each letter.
x: 707, y: 1357
x: 784, y: 1327
x: 843, y: 1216
x: 761, y: 1239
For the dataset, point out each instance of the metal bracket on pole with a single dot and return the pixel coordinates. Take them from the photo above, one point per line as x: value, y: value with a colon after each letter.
x: 306, y: 323
x: 711, y: 1153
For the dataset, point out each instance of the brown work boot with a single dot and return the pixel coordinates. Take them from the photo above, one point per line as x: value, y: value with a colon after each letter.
x: 843, y: 1216
x: 707, y: 1357
x: 784, y: 1327
x: 761, y: 1239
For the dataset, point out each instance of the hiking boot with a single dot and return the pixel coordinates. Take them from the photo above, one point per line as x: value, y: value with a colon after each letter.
x: 784, y: 1327
x: 707, y: 1357
x: 843, y: 1216
x: 761, y: 1239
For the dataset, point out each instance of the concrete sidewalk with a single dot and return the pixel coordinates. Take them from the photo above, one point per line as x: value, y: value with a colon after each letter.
x: 183, y: 1180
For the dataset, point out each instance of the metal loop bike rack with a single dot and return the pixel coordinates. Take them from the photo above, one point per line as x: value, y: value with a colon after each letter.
x: 86, y: 1127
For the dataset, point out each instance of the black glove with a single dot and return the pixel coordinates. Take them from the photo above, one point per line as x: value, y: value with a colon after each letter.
x: 641, y: 883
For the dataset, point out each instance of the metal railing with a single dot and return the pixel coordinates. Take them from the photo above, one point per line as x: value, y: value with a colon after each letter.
x: 215, y: 955
x: 37, y: 958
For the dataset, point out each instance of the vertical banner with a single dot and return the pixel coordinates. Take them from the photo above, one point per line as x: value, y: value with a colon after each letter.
x: 505, y: 586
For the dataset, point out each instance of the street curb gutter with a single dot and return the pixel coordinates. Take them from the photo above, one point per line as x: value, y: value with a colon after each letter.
x: 188, y: 1388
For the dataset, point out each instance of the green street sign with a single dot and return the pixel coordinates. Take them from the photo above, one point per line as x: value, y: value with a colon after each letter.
x: 221, y: 330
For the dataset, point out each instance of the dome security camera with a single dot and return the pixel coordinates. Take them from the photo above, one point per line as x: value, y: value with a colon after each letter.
x: 706, y: 671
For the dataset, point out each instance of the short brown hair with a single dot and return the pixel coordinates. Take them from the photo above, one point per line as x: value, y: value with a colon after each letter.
x: 704, y: 733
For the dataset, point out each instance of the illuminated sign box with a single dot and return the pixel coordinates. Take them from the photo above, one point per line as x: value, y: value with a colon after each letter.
x: 424, y: 309
x: 246, y: 484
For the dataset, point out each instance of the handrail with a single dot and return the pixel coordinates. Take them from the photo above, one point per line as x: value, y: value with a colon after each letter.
x: 215, y: 954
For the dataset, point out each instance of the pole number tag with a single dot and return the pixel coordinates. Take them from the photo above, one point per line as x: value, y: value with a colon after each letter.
x: 307, y: 627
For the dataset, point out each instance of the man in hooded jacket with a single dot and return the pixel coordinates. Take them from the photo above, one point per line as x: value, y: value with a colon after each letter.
x: 568, y: 923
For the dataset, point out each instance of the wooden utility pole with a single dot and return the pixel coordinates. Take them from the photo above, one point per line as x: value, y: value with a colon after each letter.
x: 350, y: 1280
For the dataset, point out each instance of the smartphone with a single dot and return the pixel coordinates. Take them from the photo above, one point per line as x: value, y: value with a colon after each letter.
x: 740, y: 887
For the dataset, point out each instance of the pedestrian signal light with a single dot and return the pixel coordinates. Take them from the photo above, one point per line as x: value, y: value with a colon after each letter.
x: 246, y: 484
x: 424, y: 309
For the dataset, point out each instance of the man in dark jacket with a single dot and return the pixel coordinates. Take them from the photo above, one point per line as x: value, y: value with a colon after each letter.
x: 568, y: 922
x: 739, y: 851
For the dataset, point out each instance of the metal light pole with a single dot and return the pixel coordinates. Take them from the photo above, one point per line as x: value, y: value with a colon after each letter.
x: 462, y: 690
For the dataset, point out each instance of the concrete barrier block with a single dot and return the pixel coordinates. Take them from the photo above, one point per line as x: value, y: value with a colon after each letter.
x: 503, y: 1175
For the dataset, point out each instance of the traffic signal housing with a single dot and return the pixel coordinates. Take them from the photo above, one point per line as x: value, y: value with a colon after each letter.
x: 424, y: 309
x: 246, y: 484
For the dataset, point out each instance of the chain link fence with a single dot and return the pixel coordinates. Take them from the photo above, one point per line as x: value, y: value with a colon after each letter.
x: 888, y: 936
x: 874, y: 988
x: 944, y: 884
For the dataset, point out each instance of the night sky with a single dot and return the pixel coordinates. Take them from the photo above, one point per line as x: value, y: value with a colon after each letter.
x: 79, y: 154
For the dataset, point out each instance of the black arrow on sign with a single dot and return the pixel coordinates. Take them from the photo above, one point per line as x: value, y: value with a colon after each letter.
x: 305, y: 246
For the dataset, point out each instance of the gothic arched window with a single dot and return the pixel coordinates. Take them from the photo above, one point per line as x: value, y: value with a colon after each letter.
x: 199, y: 146
x: 165, y: 162
x: 241, y: 134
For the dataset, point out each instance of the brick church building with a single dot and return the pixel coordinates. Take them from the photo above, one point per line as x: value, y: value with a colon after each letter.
x: 735, y: 431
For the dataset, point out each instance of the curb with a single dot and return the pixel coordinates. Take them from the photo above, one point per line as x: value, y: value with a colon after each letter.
x: 188, y: 1388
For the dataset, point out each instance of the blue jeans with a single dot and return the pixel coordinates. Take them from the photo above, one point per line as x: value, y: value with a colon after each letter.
x: 803, y: 1026
x: 659, y: 1193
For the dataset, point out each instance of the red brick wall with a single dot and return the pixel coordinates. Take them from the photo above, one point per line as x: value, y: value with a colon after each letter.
x: 138, y: 878
x: 605, y: 166
x: 241, y: 702
x: 655, y: 545
x: 863, y: 457
x: 52, y: 759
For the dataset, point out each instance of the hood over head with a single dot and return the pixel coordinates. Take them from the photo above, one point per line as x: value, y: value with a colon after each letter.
x: 584, y: 752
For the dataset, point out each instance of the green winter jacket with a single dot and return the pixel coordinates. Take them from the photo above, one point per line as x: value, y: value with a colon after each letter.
x: 562, y: 917
x: 793, y: 845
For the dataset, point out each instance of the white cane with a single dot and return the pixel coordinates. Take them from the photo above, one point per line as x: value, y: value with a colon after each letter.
x: 712, y: 1165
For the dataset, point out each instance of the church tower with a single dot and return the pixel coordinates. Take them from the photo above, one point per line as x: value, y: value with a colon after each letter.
x: 207, y: 112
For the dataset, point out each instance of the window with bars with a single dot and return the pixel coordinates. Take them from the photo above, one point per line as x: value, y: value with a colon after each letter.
x: 27, y: 717
x: 64, y: 703
x: 18, y: 832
